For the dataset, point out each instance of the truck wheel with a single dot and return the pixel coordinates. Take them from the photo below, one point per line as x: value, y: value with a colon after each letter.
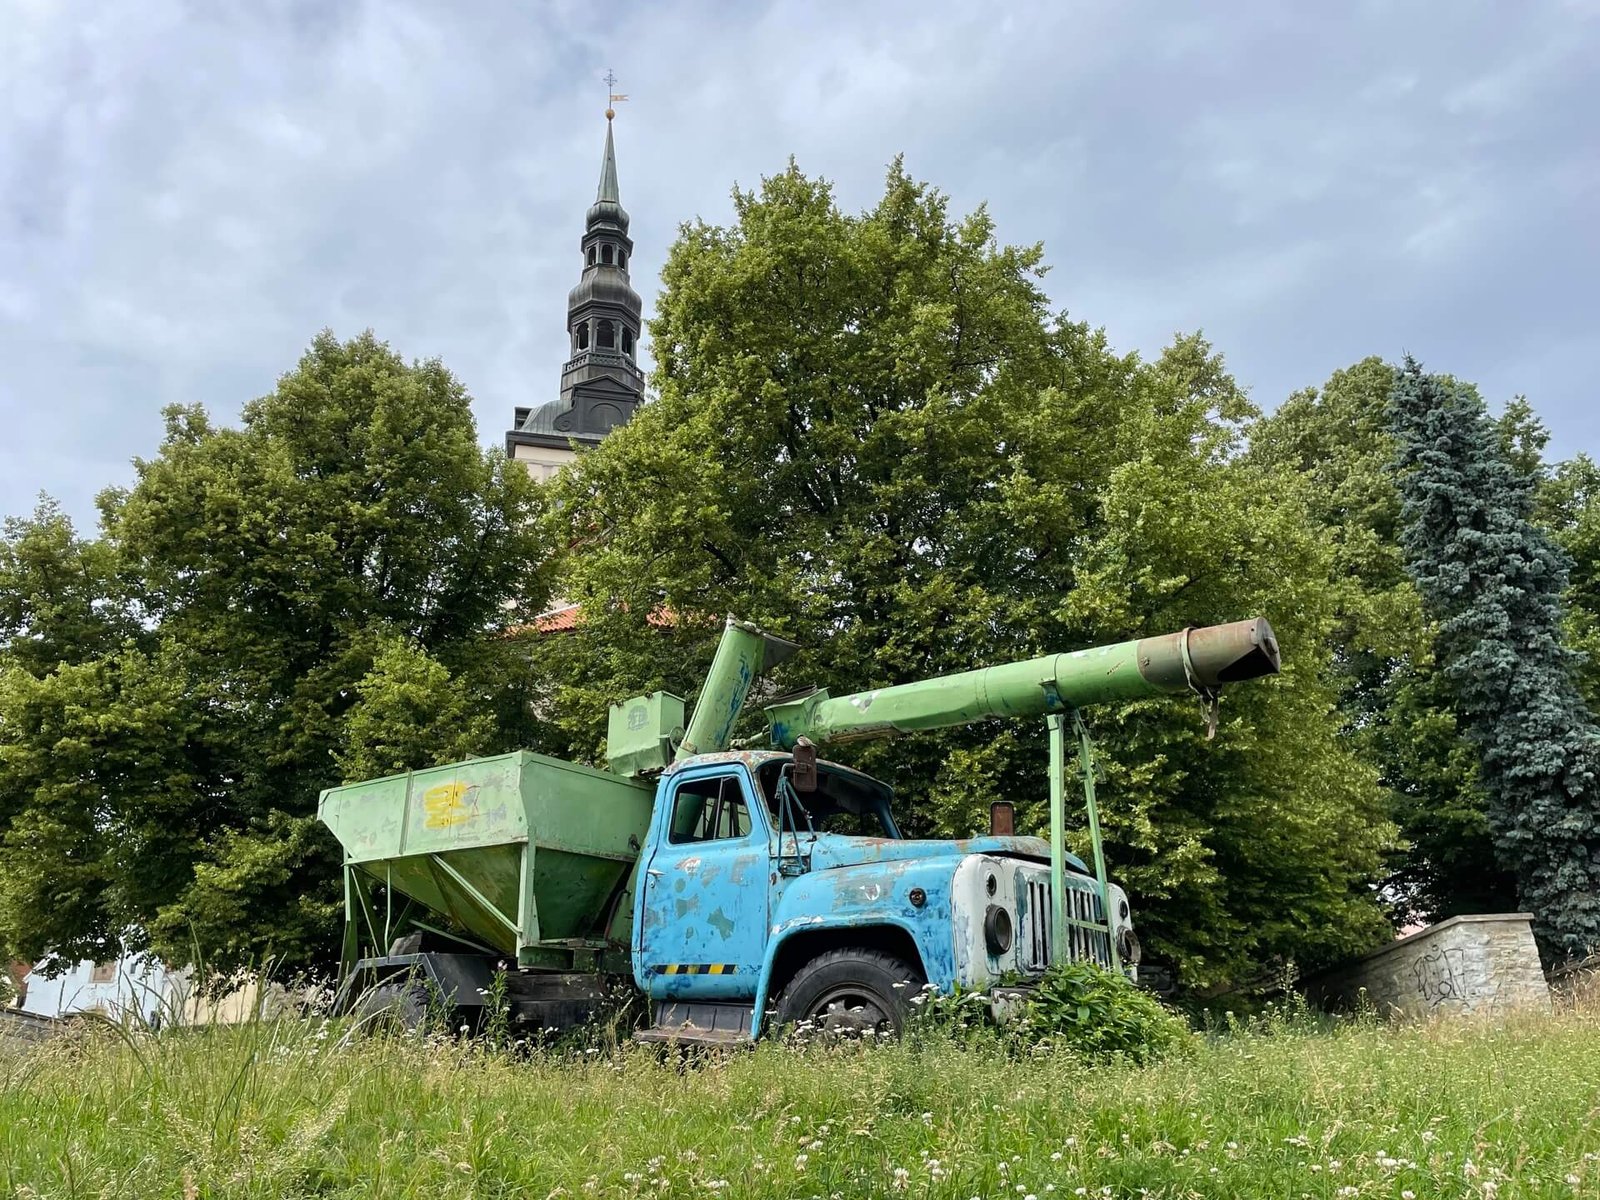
x: 851, y: 992
x: 392, y: 1008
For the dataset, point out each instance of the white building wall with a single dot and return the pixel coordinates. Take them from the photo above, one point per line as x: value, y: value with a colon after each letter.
x: 135, y: 985
x: 543, y: 462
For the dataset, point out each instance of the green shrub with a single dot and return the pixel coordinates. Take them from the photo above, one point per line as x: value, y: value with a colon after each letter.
x: 1097, y: 1013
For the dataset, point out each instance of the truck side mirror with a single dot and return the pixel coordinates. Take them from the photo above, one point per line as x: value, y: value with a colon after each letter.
x: 805, y: 766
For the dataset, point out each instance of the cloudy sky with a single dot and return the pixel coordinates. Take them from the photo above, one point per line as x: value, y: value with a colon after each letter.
x: 189, y: 191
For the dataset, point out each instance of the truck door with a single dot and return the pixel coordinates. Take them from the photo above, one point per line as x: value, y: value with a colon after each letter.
x: 704, y: 925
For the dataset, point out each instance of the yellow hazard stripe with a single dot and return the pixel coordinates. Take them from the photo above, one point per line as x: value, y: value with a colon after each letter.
x: 697, y: 968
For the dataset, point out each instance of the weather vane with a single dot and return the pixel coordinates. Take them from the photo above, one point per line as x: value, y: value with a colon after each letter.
x: 611, y: 96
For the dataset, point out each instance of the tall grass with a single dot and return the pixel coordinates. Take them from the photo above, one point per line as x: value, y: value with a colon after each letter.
x: 1285, y: 1108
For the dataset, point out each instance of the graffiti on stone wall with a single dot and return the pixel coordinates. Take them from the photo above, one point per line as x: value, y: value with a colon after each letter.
x: 1439, y: 975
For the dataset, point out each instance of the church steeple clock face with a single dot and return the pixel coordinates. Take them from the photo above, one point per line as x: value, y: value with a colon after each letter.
x: 601, y: 384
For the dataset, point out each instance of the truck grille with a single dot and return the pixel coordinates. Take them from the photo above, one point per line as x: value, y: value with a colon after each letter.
x: 1083, y: 904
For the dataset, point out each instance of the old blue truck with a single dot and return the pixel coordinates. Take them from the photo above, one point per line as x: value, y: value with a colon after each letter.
x: 738, y: 889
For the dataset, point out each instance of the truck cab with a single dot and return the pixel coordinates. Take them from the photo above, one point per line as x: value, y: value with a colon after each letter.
x: 755, y: 901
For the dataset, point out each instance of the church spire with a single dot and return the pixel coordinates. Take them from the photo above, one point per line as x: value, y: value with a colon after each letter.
x: 608, y: 169
x: 601, y: 384
x: 606, y: 214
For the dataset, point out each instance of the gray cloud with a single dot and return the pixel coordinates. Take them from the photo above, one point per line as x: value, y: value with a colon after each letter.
x: 187, y: 193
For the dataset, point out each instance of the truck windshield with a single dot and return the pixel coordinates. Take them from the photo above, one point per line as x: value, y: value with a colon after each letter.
x: 848, y: 804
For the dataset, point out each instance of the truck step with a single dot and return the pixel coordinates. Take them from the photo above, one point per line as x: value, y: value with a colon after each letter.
x: 702, y: 1024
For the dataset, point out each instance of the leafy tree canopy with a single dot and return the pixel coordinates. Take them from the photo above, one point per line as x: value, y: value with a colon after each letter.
x: 872, y: 437
x: 1494, y: 580
x: 1396, y: 706
x: 323, y: 589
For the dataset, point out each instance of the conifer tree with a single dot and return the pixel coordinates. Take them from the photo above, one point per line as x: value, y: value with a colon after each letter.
x: 1493, y: 580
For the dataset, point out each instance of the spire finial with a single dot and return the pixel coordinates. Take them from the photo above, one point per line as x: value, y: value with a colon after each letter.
x: 612, y: 97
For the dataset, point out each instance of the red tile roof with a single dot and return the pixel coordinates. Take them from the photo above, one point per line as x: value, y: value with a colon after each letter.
x: 568, y: 617
x: 558, y: 620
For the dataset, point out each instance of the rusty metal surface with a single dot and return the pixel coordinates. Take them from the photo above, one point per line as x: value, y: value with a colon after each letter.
x: 1218, y: 654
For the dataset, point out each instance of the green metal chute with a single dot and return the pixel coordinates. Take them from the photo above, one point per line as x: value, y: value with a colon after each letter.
x: 1198, y: 660
x: 743, y: 653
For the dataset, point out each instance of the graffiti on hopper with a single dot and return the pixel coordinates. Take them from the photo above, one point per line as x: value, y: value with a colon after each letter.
x: 1438, y: 975
x: 447, y: 805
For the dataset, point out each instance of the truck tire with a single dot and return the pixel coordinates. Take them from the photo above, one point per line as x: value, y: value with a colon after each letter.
x: 395, y: 1007
x: 851, y: 991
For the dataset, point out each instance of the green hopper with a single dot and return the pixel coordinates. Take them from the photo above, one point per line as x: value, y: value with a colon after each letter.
x: 528, y: 857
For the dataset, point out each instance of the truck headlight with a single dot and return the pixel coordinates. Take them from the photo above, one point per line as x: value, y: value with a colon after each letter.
x: 1128, y: 948
x: 997, y: 930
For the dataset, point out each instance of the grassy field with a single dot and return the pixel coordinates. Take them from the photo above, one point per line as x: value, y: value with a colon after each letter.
x: 1452, y: 1109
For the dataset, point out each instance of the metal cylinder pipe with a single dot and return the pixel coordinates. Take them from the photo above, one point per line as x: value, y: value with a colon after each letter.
x: 1199, y: 660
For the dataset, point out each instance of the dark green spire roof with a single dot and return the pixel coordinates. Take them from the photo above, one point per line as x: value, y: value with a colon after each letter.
x: 608, y: 171
x: 607, y: 206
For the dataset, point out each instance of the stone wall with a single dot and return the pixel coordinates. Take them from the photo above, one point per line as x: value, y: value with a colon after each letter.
x: 1468, y: 964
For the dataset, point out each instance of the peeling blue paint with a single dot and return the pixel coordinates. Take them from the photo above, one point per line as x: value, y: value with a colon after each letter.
x: 851, y: 883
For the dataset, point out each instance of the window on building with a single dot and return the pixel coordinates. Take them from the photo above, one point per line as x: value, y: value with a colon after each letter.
x: 591, y: 256
x: 103, y: 972
x: 622, y: 260
x: 627, y: 340
x: 608, y: 336
x: 583, y: 336
x: 708, y: 810
x: 605, y: 254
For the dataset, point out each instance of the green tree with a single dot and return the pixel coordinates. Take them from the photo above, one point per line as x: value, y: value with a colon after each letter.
x: 160, y: 783
x: 411, y: 711
x: 1396, y: 709
x: 1568, y: 505
x: 61, y: 600
x: 1494, y: 582
x: 872, y: 437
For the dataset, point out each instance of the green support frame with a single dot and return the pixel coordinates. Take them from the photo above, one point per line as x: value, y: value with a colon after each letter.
x: 1059, y: 921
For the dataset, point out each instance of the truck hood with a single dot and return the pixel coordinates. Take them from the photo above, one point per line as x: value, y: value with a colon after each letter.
x: 838, y: 850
